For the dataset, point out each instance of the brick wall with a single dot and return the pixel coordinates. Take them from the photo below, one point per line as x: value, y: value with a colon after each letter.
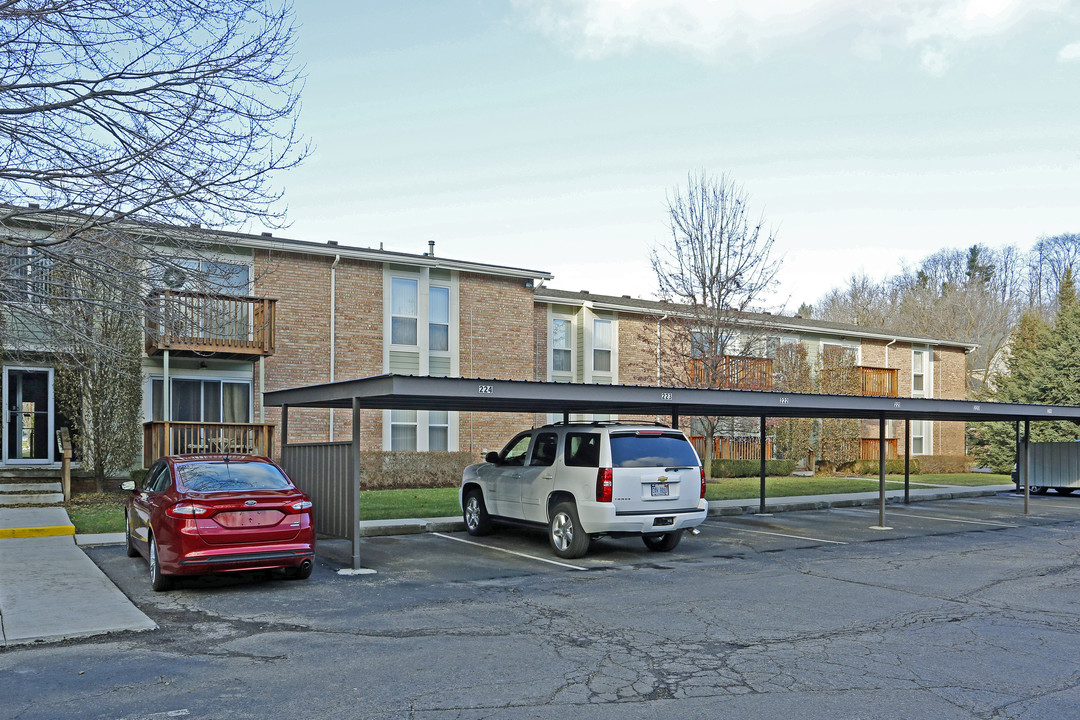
x: 950, y: 383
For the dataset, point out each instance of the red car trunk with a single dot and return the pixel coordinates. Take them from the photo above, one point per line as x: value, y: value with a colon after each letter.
x: 256, y: 517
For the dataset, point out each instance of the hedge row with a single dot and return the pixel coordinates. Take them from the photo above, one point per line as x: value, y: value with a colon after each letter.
x: 751, y: 468
x: 892, y: 467
x: 406, y: 470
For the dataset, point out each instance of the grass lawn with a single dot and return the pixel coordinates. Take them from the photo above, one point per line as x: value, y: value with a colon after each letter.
x: 104, y: 512
x: 97, y: 512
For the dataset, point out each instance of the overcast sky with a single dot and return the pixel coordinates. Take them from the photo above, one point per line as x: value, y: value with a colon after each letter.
x: 547, y: 134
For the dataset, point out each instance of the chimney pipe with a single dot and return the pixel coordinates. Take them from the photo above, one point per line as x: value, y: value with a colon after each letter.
x: 431, y: 248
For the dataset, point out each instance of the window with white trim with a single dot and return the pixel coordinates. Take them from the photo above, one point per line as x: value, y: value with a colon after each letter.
x: 202, y: 400
x: 920, y: 365
x: 403, y: 430
x: 562, y: 338
x: 29, y: 275
x: 918, y: 437
x: 438, y: 430
x: 403, y: 311
x: 439, y: 319
x: 602, y: 346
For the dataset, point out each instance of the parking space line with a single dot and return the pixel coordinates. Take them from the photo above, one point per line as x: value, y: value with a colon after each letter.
x: 511, y: 552
x: 948, y: 519
x: 797, y: 537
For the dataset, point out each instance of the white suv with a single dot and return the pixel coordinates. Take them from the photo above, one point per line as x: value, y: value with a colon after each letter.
x: 586, y: 480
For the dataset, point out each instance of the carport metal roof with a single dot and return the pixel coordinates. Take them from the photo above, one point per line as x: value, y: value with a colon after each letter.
x: 407, y: 392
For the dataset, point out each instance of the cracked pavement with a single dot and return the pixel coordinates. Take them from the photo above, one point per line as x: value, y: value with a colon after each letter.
x: 972, y: 622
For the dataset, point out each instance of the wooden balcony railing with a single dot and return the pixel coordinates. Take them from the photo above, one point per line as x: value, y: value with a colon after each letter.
x: 181, y: 438
x: 206, y: 323
x: 733, y: 448
x: 735, y: 373
x: 869, y: 381
x: 879, y: 382
x: 869, y: 448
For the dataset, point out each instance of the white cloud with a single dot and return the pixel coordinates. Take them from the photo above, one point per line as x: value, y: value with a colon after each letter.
x: 715, y: 29
x: 1069, y: 53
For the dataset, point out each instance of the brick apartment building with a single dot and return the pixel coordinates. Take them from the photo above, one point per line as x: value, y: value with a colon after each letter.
x: 291, y: 313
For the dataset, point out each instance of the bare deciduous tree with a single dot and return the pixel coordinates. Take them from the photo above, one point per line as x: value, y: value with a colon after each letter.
x: 125, y: 124
x: 717, y: 264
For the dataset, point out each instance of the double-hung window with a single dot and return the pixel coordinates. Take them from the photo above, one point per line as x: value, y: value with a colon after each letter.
x: 403, y: 311
x: 439, y: 319
x: 30, y: 275
x: 919, y: 367
x: 561, y: 345
x: 403, y: 430
x: 438, y: 430
x: 602, y: 346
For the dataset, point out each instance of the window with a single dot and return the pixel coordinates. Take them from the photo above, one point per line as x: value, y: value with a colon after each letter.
x: 602, y: 345
x: 403, y: 306
x: 561, y: 339
x: 918, y: 437
x: 651, y: 450
x: 515, y: 451
x: 198, y: 400
x: 919, y: 366
x: 30, y: 275
x: 438, y: 430
x: 439, y: 319
x: 403, y: 430
x: 204, y: 276
x: 582, y: 450
x: 547, y: 445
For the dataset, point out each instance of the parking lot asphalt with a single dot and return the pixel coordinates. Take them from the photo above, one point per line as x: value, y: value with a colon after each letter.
x: 964, y: 609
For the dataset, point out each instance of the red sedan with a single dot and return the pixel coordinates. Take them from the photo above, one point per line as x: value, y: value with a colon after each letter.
x: 199, y: 514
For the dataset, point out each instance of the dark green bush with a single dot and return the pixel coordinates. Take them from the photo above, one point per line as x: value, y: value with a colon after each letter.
x: 751, y: 468
x: 947, y: 463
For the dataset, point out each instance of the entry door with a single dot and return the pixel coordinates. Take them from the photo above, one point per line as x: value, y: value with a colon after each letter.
x: 28, y: 416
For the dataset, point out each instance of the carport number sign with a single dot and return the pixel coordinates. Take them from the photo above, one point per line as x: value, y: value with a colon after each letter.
x: 487, y: 389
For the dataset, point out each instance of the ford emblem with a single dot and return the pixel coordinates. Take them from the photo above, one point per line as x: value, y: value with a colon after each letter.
x: 249, y: 503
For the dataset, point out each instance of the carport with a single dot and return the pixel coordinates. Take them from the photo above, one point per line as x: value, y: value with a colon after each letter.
x: 330, y: 472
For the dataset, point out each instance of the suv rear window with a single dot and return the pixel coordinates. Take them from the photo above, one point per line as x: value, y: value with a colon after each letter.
x: 651, y: 450
x: 231, y: 476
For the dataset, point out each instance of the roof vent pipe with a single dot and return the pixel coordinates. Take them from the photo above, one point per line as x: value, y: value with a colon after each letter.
x: 431, y: 248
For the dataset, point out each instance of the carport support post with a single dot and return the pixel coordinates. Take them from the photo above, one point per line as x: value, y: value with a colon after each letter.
x: 1026, y: 457
x: 353, y: 491
x: 761, y: 509
x: 907, y: 460
x: 881, y: 471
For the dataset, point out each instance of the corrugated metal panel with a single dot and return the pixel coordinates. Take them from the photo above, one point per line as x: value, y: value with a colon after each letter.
x: 404, y: 363
x: 1055, y: 464
x: 322, y: 470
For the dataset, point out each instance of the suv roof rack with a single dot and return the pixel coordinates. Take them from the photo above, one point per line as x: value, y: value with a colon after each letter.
x: 603, y: 423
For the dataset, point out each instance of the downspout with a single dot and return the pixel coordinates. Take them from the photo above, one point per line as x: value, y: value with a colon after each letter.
x: 333, y: 330
x: 658, y: 360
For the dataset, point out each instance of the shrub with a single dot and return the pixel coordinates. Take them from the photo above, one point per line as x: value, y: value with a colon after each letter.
x: 751, y: 468
x: 894, y: 466
x: 947, y: 463
x: 406, y: 470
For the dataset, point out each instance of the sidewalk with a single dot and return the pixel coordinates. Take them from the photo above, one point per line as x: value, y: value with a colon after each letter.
x: 49, y: 588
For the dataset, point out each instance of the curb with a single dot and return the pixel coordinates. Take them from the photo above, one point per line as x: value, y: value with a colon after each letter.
x: 31, y: 532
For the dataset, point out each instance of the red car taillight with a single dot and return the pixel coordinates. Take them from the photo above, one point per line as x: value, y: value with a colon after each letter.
x: 188, y: 510
x: 702, y: 481
x: 603, y: 485
x: 300, y: 506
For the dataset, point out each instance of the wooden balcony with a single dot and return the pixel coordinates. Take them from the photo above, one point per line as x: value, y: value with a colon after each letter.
x: 181, y: 438
x: 869, y: 448
x: 733, y: 448
x: 209, y: 324
x: 735, y: 373
x: 868, y: 381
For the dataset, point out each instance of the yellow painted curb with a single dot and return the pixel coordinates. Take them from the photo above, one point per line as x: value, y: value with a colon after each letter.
x: 37, y: 531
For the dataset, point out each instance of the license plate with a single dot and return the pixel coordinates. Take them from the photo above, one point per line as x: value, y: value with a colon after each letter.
x: 660, y: 490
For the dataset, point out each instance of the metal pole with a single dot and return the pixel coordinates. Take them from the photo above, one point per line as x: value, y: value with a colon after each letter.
x: 353, y: 493
x: 761, y: 508
x: 1026, y: 456
x: 907, y: 460
x: 675, y: 418
x: 1016, y: 460
x: 881, y: 473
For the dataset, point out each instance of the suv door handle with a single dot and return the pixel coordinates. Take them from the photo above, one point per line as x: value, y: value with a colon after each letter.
x: 548, y: 477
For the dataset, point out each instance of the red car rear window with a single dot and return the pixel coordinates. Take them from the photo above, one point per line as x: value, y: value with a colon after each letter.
x: 231, y: 476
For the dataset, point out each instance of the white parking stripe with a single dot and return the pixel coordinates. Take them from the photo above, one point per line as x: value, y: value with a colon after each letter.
x: 901, y: 513
x: 797, y: 537
x: 511, y: 552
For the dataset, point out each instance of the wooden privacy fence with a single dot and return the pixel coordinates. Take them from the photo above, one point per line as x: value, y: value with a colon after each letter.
x: 180, y: 438
x: 733, y: 448
x: 870, y: 447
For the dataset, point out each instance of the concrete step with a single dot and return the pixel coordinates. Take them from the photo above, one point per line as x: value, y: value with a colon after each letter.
x: 31, y: 487
x: 27, y: 499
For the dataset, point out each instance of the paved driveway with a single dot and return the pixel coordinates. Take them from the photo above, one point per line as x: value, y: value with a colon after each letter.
x: 966, y: 609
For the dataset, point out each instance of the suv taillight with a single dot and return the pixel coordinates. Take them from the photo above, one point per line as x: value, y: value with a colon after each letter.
x: 603, y: 485
x: 702, y: 481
